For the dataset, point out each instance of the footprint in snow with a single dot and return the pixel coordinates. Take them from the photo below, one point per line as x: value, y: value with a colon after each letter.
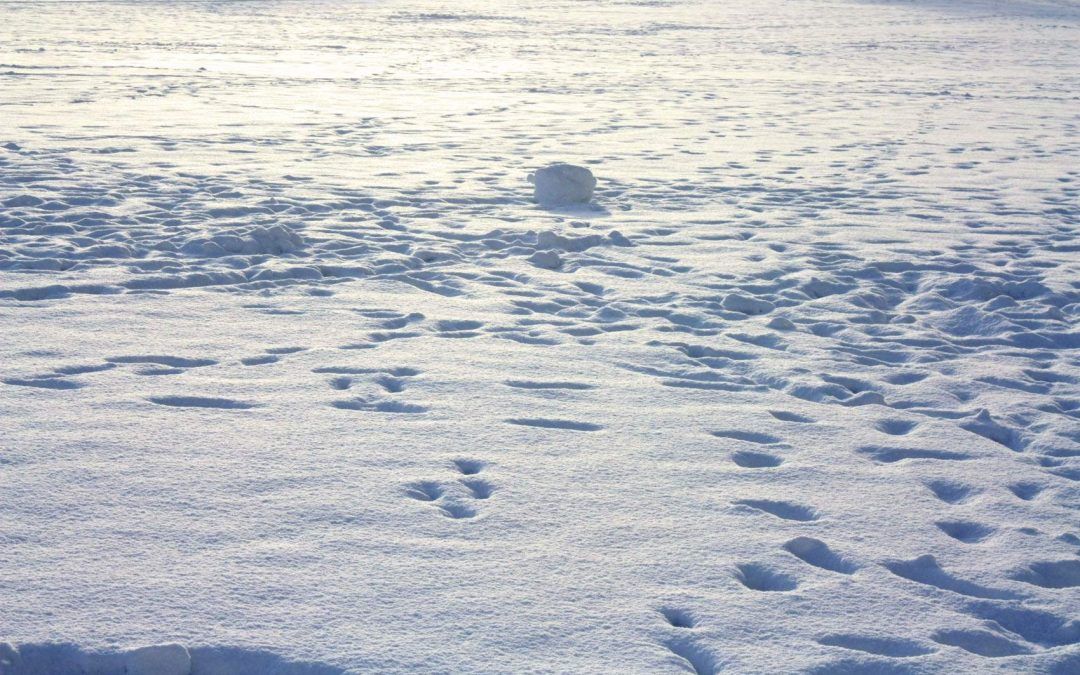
x: 758, y: 577
x: 873, y: 644
x: 691, y: 657
x: 201, y: 402
x: 678, y: 618
x: 756, y: 460
x: 455, y: 499
x: 381, y: 406
x: 781, y: 509
x: 55, y: 383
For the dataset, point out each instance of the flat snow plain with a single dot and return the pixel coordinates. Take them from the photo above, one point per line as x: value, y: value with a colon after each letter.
x: 294, y: 374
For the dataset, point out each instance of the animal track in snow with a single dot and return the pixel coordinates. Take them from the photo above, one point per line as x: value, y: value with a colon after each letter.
x: 755, y: 460
x: 895, y: 427
x: 167, y: 361
x: 456, y: 510
x: 889, y: 455
x: 285, y: 350
x: 83, y: 369
x: 388, y: 380
x: 781, y: 509
x: 692, y: 657
x: 43, y: 383
x: 469, y: 467
x: 678, y: 618
x: 543, y: 423
x: 341, y: 383
x: 981, y: 642
x: 951, y: 492
x: 758, y: 577
x: 402, y: 371
x: 458, y: 325
x: 478, y: 487
x: 383, y: 406
x: 872, y: 644
x: 453, y: 499
x: 817, y: 553
x: 925, y: 570
x: 1026, y: 491
x: 400, y: 321
x: 425, y: 491
x: 393, y: 385
x: 458, y: 329
x: 786, y: 416
x: 984, y: 425
x: 747, y: 436
x: 1060, y: 574
x: 200, y: 402
x: 906, y: 378
x: 965, y: 531
x: 534, y: 384
x: 1035, y: 626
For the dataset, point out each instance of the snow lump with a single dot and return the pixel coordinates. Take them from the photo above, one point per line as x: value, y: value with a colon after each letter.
x: 558, y: 184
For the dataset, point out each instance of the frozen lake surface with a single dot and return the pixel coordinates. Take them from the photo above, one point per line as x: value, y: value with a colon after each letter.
x: 296, y: 375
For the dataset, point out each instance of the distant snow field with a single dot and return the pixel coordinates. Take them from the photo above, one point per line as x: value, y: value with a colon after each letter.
x: 300, y: 373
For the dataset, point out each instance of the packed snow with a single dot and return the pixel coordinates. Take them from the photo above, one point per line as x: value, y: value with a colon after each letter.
x: 563, y: 184
x: 773, y: 365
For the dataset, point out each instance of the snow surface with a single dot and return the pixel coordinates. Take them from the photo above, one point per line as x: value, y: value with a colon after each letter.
x: 296, y: 376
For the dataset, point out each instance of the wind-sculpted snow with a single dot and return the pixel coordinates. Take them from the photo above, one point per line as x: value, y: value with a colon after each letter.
x: 298, y: 375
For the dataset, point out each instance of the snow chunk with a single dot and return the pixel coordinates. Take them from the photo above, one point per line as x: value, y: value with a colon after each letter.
x: 171, y: 659
x: 548, y: 260
x: 735, y: 302
x: 562, y: 184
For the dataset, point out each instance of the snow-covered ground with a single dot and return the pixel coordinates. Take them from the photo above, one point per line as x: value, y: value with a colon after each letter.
x: 295, y: 374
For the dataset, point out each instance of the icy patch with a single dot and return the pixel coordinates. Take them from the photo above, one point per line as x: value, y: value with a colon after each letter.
x: 562, y: 184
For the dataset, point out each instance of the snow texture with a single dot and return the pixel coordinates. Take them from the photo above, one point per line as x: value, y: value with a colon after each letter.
x: 300, y: 375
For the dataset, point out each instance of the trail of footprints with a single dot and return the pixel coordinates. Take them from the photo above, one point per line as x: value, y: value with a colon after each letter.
x: 457, y: 499
x: 1010, y: 628
x: 151, y: 365
x: 382, y: 385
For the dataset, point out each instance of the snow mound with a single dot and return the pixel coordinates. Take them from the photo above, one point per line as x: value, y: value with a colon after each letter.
x: 549, y: 260
x: 737, y: 302
x: 550, y: 240
x: 257, y: 240
x: 558, y: 184
x: 970, y: 321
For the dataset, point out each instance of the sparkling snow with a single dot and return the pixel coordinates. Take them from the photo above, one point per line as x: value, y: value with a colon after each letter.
x: 297, y: 377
